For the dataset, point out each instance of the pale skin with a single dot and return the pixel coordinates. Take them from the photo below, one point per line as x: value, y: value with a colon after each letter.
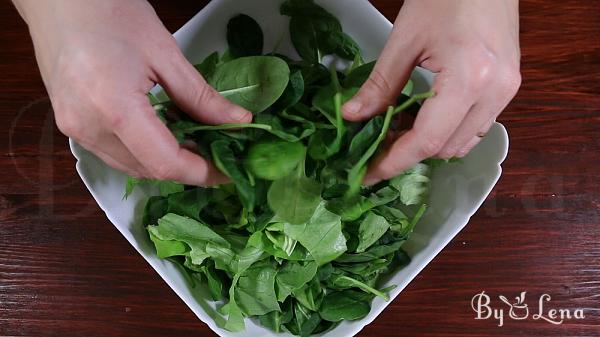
x: 99, y: 58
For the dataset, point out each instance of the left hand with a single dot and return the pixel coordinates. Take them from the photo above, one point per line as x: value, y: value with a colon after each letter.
x: 473, y: 46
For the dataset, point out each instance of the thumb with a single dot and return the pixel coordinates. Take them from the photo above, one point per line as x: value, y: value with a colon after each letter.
x: 390, y: 74
x: 192, y: 94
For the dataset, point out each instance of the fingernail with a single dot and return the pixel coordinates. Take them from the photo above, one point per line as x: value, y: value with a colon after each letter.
x: 240, y: 115
x: 353, y: 107
x: 371, y: 180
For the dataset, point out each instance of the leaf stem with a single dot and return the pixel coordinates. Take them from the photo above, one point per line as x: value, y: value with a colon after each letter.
x: 226, y: 93
x: 228, y: 127
x: 325, y: 126
x: 366, y: 287
x: 414, y: 99
x: 356, y: 174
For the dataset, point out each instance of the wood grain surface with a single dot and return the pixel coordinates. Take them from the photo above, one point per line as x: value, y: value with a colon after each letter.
x: 65, y: 270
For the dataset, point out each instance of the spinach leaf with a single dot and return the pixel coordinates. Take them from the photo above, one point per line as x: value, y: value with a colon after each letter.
x: 305, y: 37
x: 167, y: 188
x: 234, y: 260
x: 341, y: 281
x: 156, y: 207
x: 244, y: 260
x: 325, y: 101
x: 288, y: 133
x: 305, y: 321
x: 324, y: 272
x: 401, y: 258
x: 310, y: 295
x: 254, y: 83
x: 294, y: 199
x: 275, y: 320
x: 359, y: 75
x: 176, y: 227
x: 357, y: 173
x: 227, y: 57
x: 223, y: 256
x: 280, y: 240
x: 339, y: 43
x: 216, y: 283
x: 343, y: 305
x: 182, y: 129
x: 225, y: 159
x: 335, y: 190
x: 371, y: 229
x: 245, y: 37
x: 130, y: 186
x: 398, y: 221
x: 373, y: 253
x: 350, y: 209
x: 274, y: 160
x: 168, y: 248
x: 208, y: 66
x: 367, y: 269
x: 315, y: 76
x: 293, y: 93
x: 188, y: 203
x: 329, y: 101
x: 315, y: 32
x: 194, y: 234
x: 404, y: 231
x: 363, y: 140
x: 321, y: 235
x: 413, y: 184
x: 384, y: 196
x: 320, y: 147
x: 235, y: 317
x: 293, y: 276
x: 262, y: 242
x: 255, y: 291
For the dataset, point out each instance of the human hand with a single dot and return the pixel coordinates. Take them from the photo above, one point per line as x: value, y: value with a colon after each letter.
x: 98, y: 59
x: 473, y: 46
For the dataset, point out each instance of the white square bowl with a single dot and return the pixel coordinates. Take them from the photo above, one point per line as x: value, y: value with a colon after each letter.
x: 458, y: 190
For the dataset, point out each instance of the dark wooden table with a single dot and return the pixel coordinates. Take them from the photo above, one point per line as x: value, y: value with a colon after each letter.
x: 65, y: 271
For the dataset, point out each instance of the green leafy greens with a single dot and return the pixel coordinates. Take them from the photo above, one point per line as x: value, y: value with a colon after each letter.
x: 294, y: 240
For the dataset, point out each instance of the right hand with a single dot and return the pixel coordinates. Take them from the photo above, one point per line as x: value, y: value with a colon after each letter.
x: 98, y: 59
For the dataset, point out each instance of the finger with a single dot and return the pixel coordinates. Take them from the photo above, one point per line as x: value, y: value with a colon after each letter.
x: 388, y: 78
x: 470, y: 145
x: 153, y: 145
x: 437, y: 120
x: 192, y: 94
x: 117, y: 156
x: 110, y: 161
x: 477, y: 122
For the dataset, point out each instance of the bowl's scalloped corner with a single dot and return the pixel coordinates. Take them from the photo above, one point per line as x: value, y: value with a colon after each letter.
x: 505, y: 142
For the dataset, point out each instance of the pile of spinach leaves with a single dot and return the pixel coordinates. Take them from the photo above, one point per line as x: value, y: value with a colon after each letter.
x: 294, y: 241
